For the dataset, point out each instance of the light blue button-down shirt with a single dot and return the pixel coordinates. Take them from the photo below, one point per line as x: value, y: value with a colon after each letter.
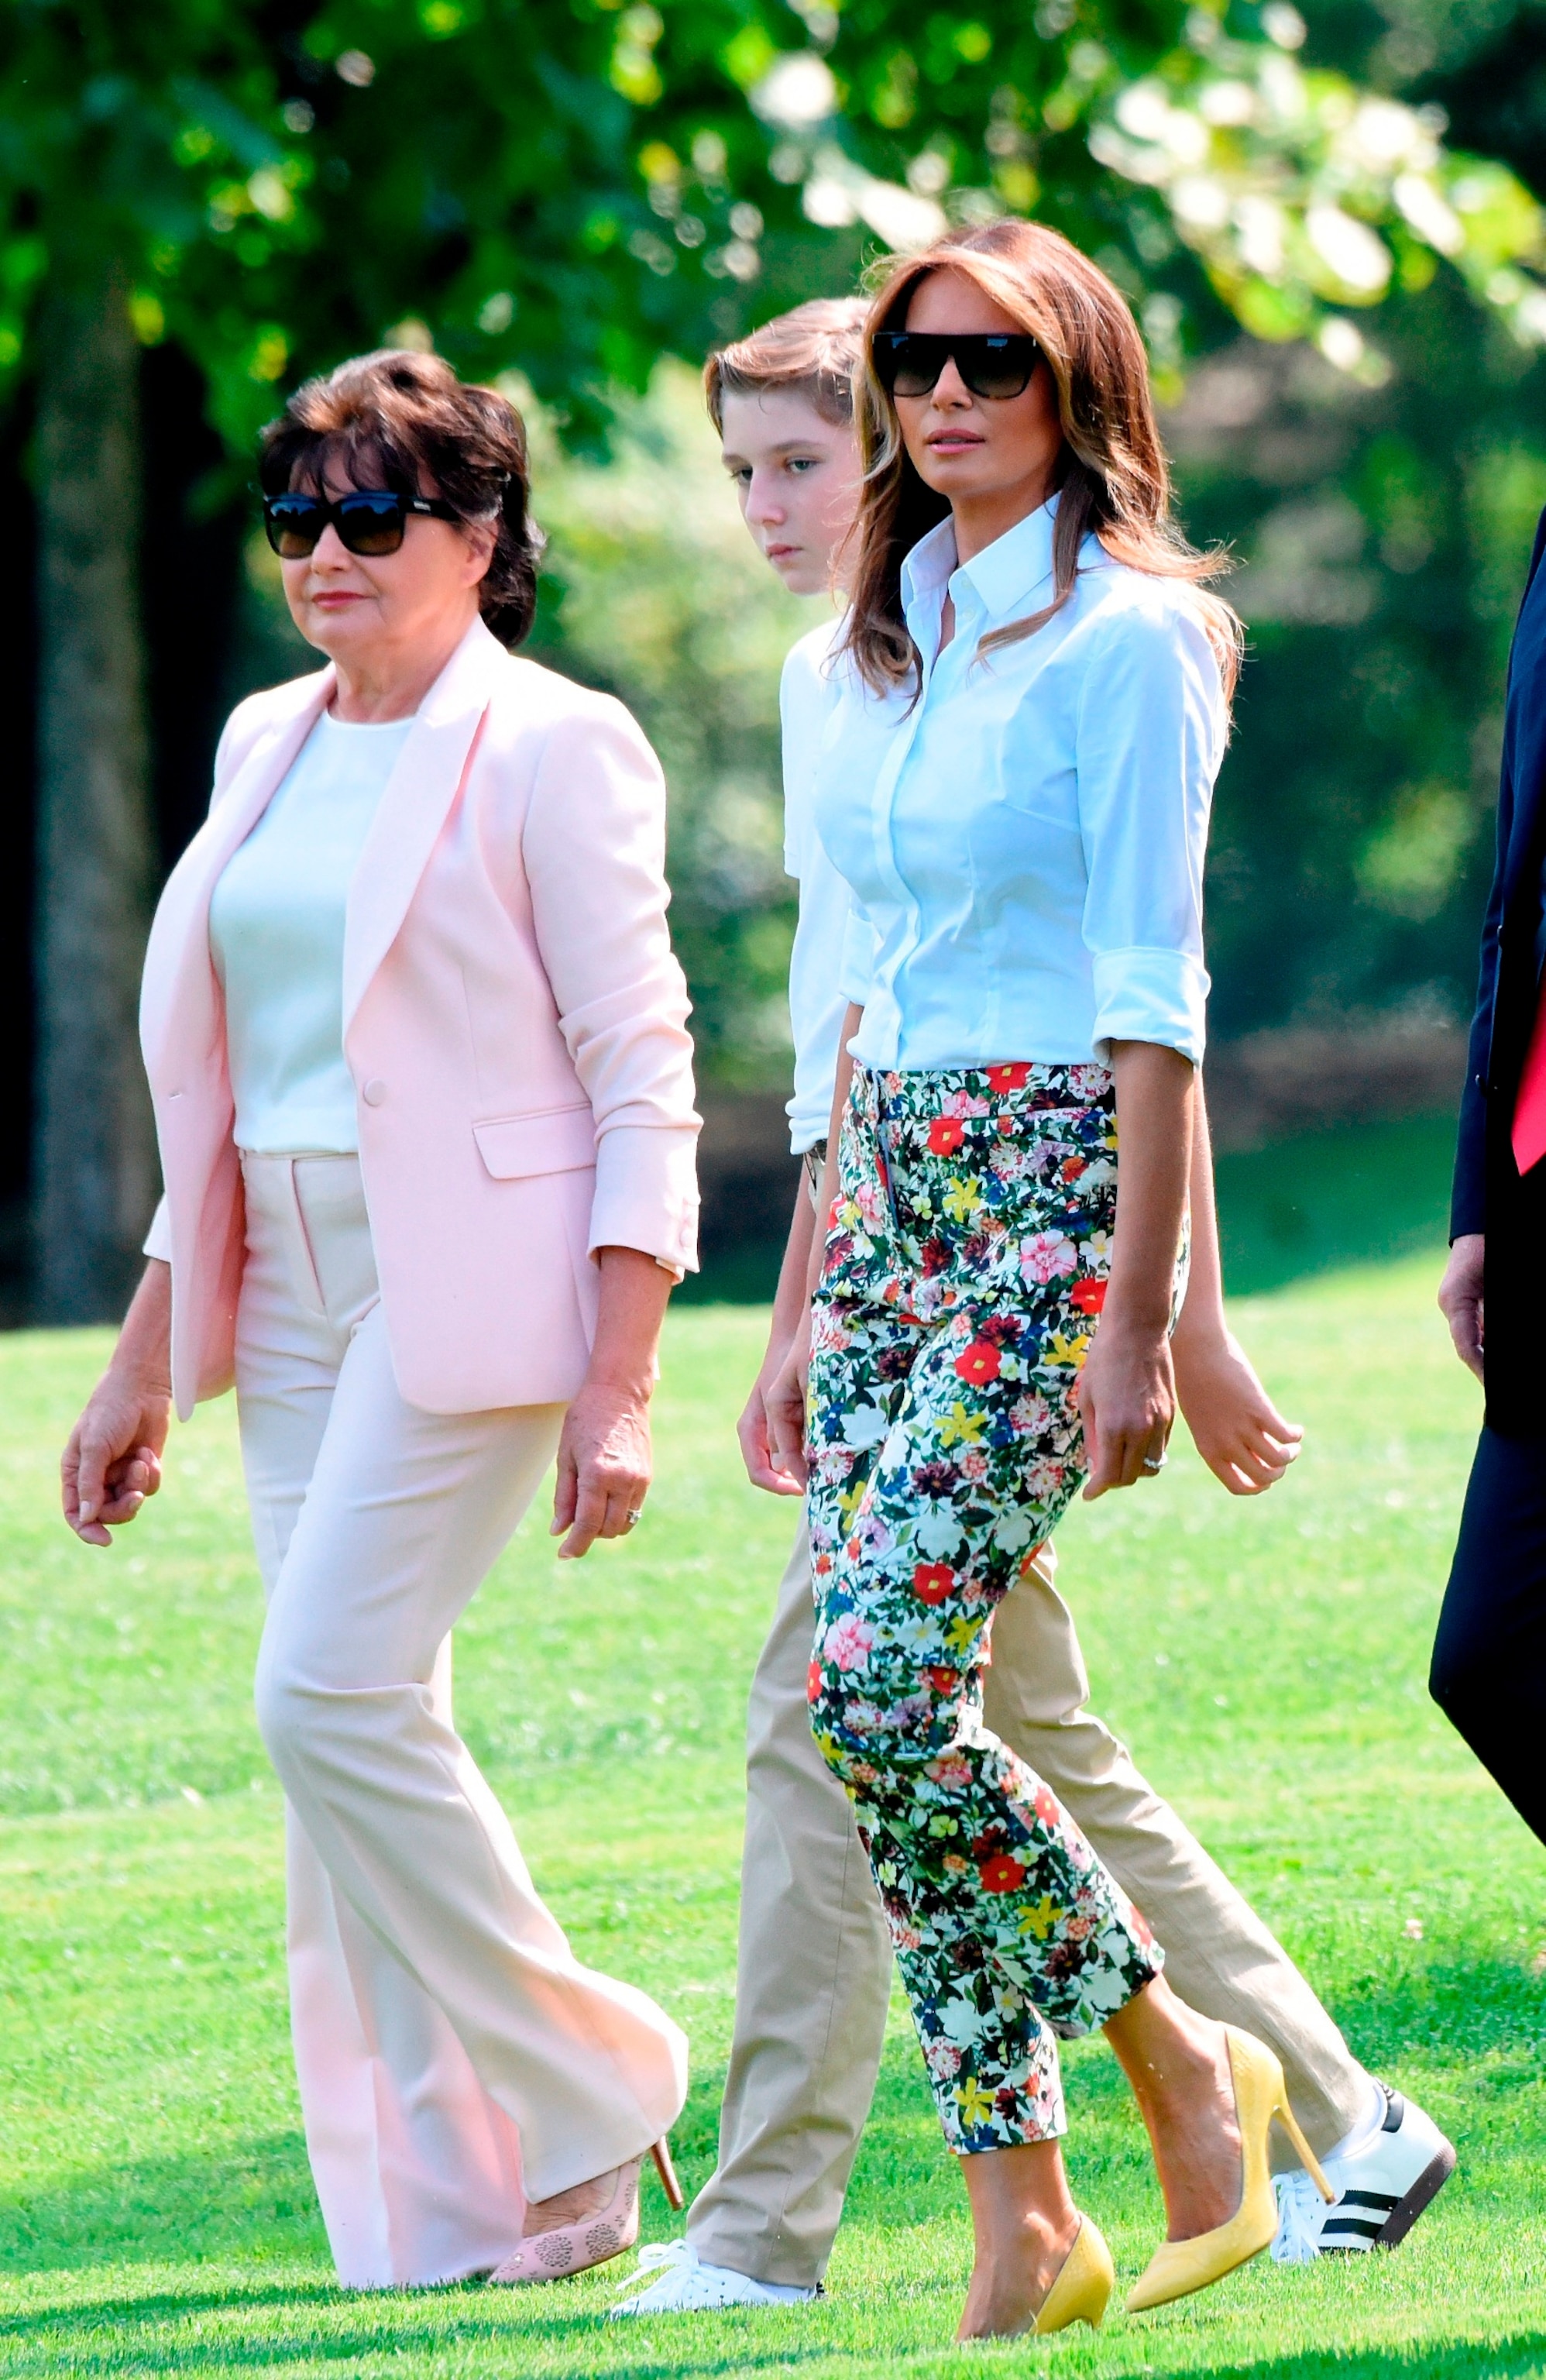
x: 1025, y: 845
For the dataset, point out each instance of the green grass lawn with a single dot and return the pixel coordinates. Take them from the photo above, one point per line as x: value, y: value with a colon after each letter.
x: 1266, y: 1659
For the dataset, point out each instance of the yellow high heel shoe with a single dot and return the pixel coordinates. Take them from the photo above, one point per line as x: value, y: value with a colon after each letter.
x: 1083, y: 2287
x: 1180, y: 2266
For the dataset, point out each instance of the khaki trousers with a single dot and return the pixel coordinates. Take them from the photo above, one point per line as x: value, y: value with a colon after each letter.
x: 450, y: 2049
x: 815, y: 1968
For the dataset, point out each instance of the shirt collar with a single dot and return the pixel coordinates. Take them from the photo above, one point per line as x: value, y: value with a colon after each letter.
x: 1015, y: 564
x: 926, y: 569
x: 996, y: 581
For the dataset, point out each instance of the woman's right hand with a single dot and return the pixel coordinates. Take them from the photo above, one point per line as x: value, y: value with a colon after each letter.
x: 112, y: 1459
x: 1126, y: 1400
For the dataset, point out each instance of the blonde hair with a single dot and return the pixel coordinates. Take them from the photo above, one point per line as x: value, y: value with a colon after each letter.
x: 815, y: 350
x: 1112, y: 474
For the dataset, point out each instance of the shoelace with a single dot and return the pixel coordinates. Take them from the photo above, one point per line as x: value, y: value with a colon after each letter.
x: 1300, y: 2209
x: 657, y: 2258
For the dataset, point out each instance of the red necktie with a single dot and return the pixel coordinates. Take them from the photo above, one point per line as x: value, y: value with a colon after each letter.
x: 1529, y: 1108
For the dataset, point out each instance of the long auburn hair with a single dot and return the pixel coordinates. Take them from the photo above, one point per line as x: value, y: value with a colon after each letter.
x: 1112, y: 477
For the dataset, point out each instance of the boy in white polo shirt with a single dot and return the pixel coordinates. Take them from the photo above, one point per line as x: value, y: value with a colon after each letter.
x: 814, y: 1966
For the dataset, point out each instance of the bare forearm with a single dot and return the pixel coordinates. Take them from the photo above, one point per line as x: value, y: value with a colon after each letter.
x: 1238, y: 1431
x: 794, y: 1273
x: 634, y: 1290
x: 1203, y: 1314
x: 144, y: 1350
x: 840, y: 1090
x: 785, y: 1400
x: 604, y: 1459
x: 1127, y: 1392
x: 1154, y: 1104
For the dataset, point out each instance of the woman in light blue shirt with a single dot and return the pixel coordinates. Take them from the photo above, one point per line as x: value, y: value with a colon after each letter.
x: 1015, y: 785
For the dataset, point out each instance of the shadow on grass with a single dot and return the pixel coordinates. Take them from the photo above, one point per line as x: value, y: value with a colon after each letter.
x: 160, y: 2210
x: 1504, y: 2359
x: 252, y: 2331
x: 116, y: 2333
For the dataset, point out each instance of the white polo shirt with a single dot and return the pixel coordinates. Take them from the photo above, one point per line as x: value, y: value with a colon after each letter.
x: 807, y: 694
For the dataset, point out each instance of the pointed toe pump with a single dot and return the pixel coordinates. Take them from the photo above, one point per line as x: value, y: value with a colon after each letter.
x: 1180, y: 2266
x: 1083, y: 2287
x: 572, y: 2248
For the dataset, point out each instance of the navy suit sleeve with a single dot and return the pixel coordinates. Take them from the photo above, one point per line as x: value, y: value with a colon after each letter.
x: 1468, y: 1209
x: 1468, y: 1201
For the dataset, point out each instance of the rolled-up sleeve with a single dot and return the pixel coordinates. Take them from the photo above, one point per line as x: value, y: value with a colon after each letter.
x: 594, y: 846
x: 1149, y: 738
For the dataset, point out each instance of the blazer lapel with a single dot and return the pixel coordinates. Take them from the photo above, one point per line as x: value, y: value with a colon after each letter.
x: 414, y: 808
x: 179, y: 1002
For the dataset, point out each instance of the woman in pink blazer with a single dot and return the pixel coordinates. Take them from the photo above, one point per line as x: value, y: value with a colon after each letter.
x: 418, y: 1046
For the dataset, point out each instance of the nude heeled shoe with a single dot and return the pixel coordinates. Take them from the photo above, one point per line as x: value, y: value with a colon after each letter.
x: 1180, y: 2266
x: 572, y: 2248
x: 1083, y: 2290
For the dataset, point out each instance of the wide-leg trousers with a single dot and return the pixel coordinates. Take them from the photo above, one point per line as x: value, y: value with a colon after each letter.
x: 454, y: 2056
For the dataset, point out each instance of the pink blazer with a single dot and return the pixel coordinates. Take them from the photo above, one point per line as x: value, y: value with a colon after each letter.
x: 514, y: 1019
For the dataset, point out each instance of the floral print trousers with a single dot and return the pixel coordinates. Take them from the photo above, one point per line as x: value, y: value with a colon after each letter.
x: 965, y: 1263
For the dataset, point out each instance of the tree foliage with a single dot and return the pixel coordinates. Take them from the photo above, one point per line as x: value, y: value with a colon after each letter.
x: 572, y: 185
x: 572, y: 189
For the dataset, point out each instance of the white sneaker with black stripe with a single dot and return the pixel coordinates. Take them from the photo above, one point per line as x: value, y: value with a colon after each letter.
x: 1385, y: 2174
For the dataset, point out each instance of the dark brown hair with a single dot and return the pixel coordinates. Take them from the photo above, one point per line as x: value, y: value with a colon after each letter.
x: 1113, y: 478
x: 815, y: 350
x: 398, y: 418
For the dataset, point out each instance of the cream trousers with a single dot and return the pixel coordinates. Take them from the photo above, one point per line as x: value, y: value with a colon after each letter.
x: 450, y: 2049
x: 814, y: 1967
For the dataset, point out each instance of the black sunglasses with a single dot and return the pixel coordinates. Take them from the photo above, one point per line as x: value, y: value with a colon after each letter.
x: 368, y: 520
x: 992, y: 363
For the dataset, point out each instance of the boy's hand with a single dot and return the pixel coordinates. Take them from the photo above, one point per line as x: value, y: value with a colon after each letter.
x: 784, y: 1403
x: 755, y: 1432
x: 1237, y: 1429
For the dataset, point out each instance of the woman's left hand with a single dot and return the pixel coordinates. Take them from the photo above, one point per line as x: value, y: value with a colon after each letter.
x: 604, y: 1466
x: 1234, y: 1425
x: 1126, y: 1400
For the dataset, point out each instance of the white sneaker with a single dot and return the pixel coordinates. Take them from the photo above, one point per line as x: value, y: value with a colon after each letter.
x: 684, y: 2284
x: 1385, y: 2174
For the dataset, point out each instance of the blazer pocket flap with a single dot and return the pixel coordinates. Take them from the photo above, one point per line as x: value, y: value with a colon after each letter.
x: 554, y: 1140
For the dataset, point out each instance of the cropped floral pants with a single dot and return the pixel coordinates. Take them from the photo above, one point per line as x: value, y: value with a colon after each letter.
x: 965, y: 1264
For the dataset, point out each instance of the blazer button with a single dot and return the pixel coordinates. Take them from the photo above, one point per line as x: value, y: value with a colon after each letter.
x: 374, y: 1092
